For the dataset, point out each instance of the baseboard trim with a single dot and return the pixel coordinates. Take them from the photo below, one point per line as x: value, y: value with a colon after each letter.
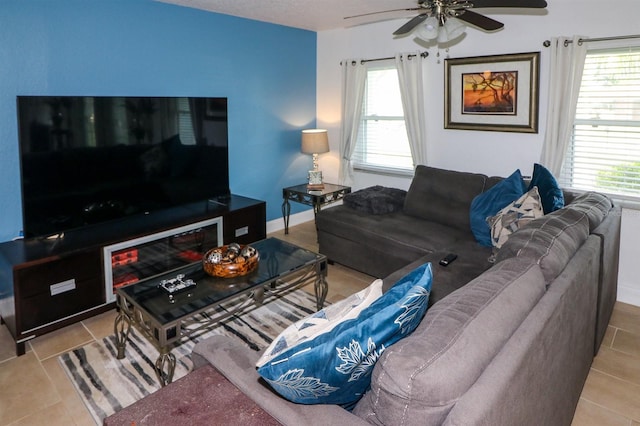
x: 294, y: 219
x: 627, y: 294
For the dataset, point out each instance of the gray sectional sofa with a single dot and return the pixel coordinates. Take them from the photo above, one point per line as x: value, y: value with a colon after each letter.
x: 503, y: 343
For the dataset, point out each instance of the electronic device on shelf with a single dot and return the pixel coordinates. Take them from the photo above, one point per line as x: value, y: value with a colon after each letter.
x: 177, y: 284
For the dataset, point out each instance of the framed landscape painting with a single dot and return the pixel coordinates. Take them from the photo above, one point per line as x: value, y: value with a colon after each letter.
x: 498, y: 93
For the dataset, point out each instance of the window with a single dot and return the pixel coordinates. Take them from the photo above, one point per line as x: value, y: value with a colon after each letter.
x: 382, y: 143
x: 604, y: 153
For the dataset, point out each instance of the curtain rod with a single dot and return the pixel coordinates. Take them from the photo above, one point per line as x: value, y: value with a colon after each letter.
x: 547, y: 43
x: 362, y: 61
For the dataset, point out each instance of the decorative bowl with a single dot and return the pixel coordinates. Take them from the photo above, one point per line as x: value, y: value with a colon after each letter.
x: 232, y: 260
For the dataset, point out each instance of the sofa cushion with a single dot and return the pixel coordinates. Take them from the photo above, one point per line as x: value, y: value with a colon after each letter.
x: 488, y: 204
x: 549, y: 241
x: 322, y: 321
x: 492, y: 181
x: 335, y: 367
x: 376, y: 200
x: 471, y: 262
x: 443, y: 196
x: 595, y: 205
x: 514, y: 216
x: 394, y: 235
x: 420, y: 378
x: 550, y: 192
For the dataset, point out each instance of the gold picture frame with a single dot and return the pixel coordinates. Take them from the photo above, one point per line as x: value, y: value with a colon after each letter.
x: 495, y: 93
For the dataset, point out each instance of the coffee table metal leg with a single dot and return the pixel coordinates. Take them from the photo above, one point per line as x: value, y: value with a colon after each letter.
x: 286, y: 211
x: 165, y: 367
x: 121, y: 328
x: 321, y: 288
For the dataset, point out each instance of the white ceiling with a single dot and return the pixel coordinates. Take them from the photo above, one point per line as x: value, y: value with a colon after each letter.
x: 313, y: 15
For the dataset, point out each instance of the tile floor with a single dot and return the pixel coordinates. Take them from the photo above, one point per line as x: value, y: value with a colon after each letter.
x: 34, y: 389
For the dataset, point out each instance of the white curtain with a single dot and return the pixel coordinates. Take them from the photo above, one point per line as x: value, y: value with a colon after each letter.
x: 411, y: 91
x: 354, y: 75
x: 567, y: 63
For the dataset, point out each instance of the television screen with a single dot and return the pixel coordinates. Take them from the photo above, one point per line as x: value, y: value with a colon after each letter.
x: 86, y: 160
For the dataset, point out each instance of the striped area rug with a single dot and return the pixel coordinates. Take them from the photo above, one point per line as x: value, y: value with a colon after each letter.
x: 107, y: 384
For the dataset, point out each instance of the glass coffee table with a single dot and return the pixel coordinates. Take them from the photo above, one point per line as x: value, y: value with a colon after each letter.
x: 164, y: 318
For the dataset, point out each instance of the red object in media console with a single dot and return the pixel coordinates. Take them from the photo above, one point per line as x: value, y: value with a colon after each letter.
x: 190, y: 256
x: 125, y: 279
x: 115, y: 263
x: 124, y: 257
x: 124, y: 254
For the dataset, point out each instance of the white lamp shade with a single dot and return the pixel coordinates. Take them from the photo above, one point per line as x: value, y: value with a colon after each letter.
x: 428, y: 30
x: 452, y: 28
x: 432, y: 30
x: 314, y: 141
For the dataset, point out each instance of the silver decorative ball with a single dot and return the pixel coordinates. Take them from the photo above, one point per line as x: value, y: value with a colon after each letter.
x: 248, y: 252
x: 215, y: 257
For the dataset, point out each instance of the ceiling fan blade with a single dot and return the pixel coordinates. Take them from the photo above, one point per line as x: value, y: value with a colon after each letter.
x: 384, y: 11
x: 529, y: 4
x: 406, y: 28
x: 480, y: 21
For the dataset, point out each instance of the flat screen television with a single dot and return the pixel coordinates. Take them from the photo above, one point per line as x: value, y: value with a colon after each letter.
x: 89, y: 159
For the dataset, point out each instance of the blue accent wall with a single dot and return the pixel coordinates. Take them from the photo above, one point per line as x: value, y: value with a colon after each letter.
x: 147, y: 48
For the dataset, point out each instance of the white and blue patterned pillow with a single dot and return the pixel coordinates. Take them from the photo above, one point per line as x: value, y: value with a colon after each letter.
x: 335, y: 367
x: 515, y: 216
x: 322, y: 321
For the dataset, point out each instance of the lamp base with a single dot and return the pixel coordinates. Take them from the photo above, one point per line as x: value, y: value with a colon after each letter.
x: 315, y: 180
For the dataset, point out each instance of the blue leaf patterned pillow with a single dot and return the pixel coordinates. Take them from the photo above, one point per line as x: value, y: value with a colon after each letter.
x: 322, y: 321
x: 335, y: 367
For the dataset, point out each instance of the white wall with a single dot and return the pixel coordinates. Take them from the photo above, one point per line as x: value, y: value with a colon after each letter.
x: 492, y: 153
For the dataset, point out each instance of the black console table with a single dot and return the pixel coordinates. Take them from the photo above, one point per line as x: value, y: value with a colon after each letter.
x: 316, y: 198
x: 47, y: 284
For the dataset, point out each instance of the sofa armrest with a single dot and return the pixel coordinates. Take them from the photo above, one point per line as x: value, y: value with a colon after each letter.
x: 237, y: 364
x: 609, y: 233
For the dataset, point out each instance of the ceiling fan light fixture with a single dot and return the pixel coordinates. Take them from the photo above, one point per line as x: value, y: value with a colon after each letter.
x: 429, y: 30
x: 440, y: 28
x: 452, y: 28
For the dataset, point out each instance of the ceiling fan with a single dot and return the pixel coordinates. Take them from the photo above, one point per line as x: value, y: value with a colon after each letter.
x: 435, y: 15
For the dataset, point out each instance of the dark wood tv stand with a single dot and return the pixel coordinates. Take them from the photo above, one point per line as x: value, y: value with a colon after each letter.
x: 47, y: 284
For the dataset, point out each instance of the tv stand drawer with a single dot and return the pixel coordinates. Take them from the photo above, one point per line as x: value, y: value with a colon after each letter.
x: 39, y: 279
x: 61, y: 300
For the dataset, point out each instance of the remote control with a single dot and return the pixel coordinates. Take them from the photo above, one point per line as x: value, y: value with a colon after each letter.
x: 445, y: 261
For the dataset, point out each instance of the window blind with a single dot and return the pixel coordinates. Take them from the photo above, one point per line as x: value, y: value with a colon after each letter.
x: 382, y: 136
x: 604, y: 152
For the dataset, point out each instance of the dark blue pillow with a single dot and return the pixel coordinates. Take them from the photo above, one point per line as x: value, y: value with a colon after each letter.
x: 551, y: 195
x: 335, y: 367
x: 490, y: 202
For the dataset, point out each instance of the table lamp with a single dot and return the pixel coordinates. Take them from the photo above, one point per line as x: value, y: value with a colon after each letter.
x: 315, y: 141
